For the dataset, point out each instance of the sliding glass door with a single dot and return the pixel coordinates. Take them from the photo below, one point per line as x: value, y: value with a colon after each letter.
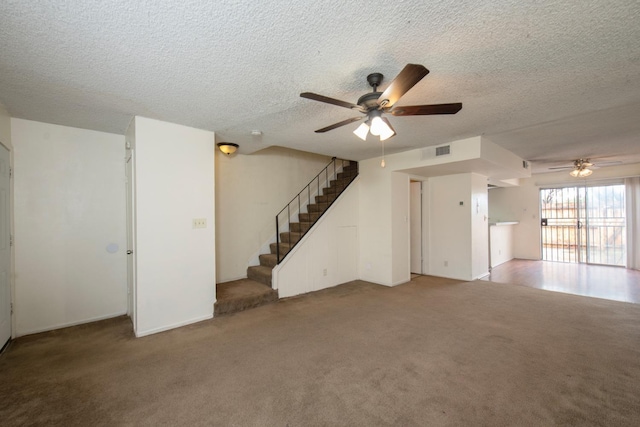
x: 583, y: 224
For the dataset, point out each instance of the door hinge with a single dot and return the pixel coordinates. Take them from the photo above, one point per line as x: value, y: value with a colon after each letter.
x: 11, y: 308
x: 10, y: 173
x: 10, y: 239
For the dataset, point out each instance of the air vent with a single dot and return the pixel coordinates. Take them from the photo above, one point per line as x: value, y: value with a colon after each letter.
x: 443, y: 150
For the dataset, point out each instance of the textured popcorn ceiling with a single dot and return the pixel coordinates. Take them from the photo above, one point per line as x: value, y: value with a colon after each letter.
x: 549, y: 80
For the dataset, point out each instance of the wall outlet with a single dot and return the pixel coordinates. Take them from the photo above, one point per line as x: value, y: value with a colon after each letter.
x: 199, y: 223
x: 324, y: 272
x: 446, y: 263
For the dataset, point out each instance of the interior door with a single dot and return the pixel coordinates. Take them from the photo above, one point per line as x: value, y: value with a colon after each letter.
x: 131, y: 243
x: 415, y: 228
x: 5, y: 248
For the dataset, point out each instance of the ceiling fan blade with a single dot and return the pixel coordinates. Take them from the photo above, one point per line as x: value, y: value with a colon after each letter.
x: 337, y: 125
x: 322, y: 98
x: 425, y: 110
x: 616, y: 162
x: 408, y: 77
x: 563, y: 167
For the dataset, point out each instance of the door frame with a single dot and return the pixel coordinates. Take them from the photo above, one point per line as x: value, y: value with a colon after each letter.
x: 129, y: 165
x: 413, y: 222
x: 10, y: 282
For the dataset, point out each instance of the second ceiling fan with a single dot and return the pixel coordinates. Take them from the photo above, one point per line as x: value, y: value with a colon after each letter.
x: 374, y: 104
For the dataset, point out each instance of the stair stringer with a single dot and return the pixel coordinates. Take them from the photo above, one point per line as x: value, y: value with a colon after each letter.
x: 264, y: 249
x: 331, y: 246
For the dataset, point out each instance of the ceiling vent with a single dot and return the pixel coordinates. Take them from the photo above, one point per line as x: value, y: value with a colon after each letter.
x: 443, y: 150
x: 433, y: 152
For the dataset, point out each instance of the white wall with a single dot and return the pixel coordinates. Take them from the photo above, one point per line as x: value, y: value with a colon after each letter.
x: 375, y: 223
x: 5, y: 127
x: 69, y: 208
x: 501, y: 237
x: 174, y: 168
x: 522, y: 204
x: 328, y: 254
x: 250, y: 190
x: 519, y: 204
x: 400, y: 239
x: 384, y: 209
x: 450, y: 234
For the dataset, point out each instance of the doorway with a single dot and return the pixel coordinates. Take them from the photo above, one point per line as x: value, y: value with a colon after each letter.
x: 415, y: 226
x: 131, y: 242
x: 5, y: 247
x: 584, y: 224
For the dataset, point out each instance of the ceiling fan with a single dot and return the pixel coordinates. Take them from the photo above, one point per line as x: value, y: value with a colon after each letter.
x: 374, y: 104
x: 581, y: 167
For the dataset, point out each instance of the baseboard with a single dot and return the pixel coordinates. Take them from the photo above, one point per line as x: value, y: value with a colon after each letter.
x: 483, y: 275
x: 69, y: 324
x: 401, y: 282
x: 140, y: 334
x: 231, y: 280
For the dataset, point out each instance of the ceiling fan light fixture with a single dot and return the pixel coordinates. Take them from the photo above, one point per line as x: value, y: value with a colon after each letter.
x: 362, y: 131
x: 581, y: 172
x: 378, y: 126
x: 387, y: 131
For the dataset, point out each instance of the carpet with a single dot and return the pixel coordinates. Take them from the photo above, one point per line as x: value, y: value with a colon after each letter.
x: 432, y: 352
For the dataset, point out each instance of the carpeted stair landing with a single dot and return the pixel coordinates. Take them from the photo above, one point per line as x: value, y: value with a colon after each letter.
x: 240, y: 295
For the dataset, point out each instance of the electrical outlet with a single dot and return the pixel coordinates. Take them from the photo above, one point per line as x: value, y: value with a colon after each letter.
x: 199, y: 223
x: 324, y: 272
x: 446, y: 263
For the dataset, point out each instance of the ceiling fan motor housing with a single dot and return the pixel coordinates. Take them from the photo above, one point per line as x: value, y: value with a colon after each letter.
x: 369, y: 100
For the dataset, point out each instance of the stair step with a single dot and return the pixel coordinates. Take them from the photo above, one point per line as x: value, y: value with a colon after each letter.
x: 241, y: 295
x: 268, y: 260
x: 333, y: 189
x: 284, y: 248
x: 339, y: 182
x: 260, y: 273
x: 352, y: 167
x: 317, y: 207
x: 300, y: 227
x: 309, y: 217
x: 327, y: 198
x: 347, y: 175
x: 290, y: 237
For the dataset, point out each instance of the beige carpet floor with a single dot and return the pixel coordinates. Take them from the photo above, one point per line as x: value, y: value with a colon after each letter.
x: 432, y: 352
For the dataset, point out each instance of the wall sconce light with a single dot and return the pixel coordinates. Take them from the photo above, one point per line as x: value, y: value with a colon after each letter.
x: 227, y: 148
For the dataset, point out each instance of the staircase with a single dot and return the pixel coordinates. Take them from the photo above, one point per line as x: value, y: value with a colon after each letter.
x: 288, y: 239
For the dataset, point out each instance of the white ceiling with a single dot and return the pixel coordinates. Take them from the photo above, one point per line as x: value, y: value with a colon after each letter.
x: 551, y: 81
